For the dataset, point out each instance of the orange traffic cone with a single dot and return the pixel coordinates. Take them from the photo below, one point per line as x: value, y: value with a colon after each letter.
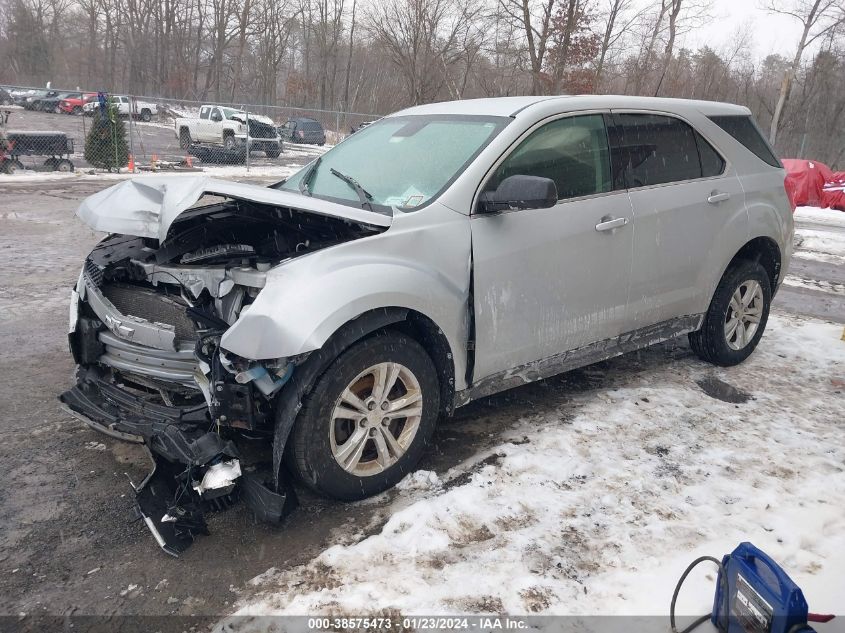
x: 131, y: 164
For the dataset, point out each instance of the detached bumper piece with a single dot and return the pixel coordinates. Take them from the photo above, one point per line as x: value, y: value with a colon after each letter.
x: 194, y: 470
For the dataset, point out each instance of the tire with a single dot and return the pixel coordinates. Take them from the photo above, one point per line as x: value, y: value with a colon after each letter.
x: 76, y: 110
x: 64, y: 165
x: 229, y: 142
x: 184, y: 138
x: 12, y: 166
x: 146, y: 115
x: 273, y: 153
x: 716, y: 342
x: 318, y: 435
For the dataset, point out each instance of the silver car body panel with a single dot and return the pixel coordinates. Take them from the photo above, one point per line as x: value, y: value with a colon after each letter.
x: 542, y: 288
x: 422, y: 263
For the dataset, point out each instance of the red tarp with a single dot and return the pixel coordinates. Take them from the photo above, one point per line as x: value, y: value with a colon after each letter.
x: 805, y: 181
x: 833, y: 194
x: 810, y: 183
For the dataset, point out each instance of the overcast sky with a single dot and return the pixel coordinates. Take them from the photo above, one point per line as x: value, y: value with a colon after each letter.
x: 772, y: 33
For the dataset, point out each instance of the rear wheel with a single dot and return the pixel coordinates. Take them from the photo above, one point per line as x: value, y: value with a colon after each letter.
x: 64, y: 165
x: 146, y: 115
x: 11, y: 166
x: 368, y: 419
x: 273, y: 152
x: 737, y: 316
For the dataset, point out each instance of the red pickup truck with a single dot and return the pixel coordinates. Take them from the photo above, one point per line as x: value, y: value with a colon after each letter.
x: 74, y: 106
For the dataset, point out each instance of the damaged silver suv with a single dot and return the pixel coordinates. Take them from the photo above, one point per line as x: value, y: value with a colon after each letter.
x: 442, y: 254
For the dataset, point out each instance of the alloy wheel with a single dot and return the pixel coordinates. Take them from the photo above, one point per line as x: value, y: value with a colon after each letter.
x: 375, y: 419
x: 743, y: 314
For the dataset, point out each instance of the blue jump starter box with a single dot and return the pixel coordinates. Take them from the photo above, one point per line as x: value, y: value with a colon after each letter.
x: 757, y: 596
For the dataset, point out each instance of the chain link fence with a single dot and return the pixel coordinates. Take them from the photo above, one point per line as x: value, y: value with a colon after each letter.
x: 73, y: 130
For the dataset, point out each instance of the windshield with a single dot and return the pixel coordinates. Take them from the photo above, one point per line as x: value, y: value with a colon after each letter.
x: 403, y: 161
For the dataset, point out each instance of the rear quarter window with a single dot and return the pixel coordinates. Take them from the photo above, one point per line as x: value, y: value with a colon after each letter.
x: 744, y: 130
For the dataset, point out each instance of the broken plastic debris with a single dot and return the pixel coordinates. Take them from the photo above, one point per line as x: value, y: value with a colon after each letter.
x: 219, y: 475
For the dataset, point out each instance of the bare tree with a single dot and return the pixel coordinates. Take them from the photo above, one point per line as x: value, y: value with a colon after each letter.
x: 618, y: 20
x: 535, y: 21
x: 818, y: 18
x: 422, y: 38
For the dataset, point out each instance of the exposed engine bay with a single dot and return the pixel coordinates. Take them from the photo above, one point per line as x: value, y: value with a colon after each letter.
x: 147, y: 317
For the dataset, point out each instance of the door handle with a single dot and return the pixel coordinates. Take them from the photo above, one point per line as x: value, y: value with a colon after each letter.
x: 716, y: 197
x: 608, y: 224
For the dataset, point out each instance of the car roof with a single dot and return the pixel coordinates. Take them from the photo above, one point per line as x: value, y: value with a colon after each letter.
x: 514, y: 106
x: 304, y: 118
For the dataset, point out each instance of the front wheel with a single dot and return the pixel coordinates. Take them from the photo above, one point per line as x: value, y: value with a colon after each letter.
x: 737, y: 316
x: 368, y: 419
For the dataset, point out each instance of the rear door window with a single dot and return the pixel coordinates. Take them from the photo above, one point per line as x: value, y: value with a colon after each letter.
x: 573, y: 152
x: 744, y: 130
x: 656, y: 149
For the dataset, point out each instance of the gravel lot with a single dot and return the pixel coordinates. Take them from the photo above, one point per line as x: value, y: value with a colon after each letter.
x: 67, y: 545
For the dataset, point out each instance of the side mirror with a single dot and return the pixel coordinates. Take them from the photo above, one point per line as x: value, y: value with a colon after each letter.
x: 520, y: 192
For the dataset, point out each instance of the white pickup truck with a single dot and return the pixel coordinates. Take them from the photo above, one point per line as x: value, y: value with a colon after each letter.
x: 219, y: 125
x: 143, y: 110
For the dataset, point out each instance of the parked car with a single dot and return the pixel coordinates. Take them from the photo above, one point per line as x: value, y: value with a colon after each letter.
x: 442, y: 254
x: 74, y: 105
x: 29, y: 98
x: 142, y: 110
x: 303, y: 130
x: 218, y: 125
x: 50, y: 103
x: 6, y: 98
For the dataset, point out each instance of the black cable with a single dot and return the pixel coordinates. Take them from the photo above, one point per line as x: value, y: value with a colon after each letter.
x: 724, y: 581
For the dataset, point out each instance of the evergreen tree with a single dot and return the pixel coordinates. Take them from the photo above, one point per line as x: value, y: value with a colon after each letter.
x: 105, y: 146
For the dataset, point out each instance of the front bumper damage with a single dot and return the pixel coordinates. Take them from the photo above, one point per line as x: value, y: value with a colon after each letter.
x: 195, y: 470
x: 153, y: 305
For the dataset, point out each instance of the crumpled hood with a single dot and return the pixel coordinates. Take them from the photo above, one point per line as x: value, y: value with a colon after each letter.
x: 147, y: 206
x: 241, y: 117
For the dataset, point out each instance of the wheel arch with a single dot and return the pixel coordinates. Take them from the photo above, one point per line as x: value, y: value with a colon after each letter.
x: 410, y: 322
x: 764, y: 251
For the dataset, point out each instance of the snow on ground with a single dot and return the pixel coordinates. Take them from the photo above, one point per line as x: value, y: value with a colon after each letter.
x: 823, y: 216
x: 601, y: 512
x: 816, y: 241
x: 822, y: 242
